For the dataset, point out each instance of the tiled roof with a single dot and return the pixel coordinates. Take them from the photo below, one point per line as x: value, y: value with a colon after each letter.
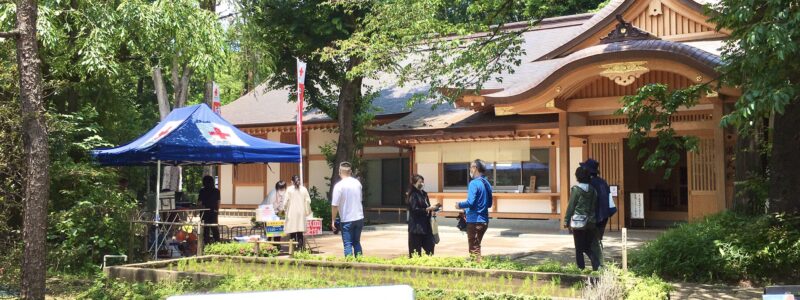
x: 264, y: 106
x: 544, y: 69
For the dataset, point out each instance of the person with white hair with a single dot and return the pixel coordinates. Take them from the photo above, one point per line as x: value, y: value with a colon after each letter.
x: 346, y: 203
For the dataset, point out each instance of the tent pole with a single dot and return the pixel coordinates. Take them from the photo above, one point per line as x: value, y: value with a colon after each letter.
x: 158, y: 207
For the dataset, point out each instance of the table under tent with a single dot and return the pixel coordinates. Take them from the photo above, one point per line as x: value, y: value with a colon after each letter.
x: 192, y: 135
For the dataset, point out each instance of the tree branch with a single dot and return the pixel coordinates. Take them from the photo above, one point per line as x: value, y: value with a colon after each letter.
x: 9, y: 34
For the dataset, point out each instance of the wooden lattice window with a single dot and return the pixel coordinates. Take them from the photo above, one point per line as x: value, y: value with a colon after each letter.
x: 609, y: 155
x: 702, y: 166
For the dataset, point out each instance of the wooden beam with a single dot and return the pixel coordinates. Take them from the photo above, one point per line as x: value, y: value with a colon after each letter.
x: 617, y: 129
x: 594, y: 104
x: 563, y: 150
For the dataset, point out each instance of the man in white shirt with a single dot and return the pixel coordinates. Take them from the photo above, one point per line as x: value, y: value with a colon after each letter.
x: 347, y: 203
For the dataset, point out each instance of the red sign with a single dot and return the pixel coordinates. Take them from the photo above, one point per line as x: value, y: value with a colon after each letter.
x: 313, y: 227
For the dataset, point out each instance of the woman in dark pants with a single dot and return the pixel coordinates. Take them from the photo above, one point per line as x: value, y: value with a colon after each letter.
x: 582, y: 201
x: 420, y: 234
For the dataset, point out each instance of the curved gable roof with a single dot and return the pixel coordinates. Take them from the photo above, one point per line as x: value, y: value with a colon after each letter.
x: 603, y: 18
x: 702, y: 60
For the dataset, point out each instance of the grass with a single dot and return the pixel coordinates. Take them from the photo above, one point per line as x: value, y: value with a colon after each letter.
x: 530, y: 286
x: 487, y: 263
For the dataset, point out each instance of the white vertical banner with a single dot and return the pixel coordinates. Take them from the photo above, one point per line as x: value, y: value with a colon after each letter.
x: 301, y: 88
x: 216, y: 104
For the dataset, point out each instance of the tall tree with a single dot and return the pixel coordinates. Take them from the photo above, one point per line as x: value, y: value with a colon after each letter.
x: 348, y: 41
x: 177, y: 35
x: 301, y: 29
x: 34, y: 125
x: 761, y: 57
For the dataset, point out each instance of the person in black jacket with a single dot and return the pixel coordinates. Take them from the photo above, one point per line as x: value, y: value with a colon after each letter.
x: 209, y: 198
x: 420, y: 234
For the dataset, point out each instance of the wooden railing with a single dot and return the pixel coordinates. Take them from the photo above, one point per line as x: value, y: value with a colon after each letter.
x: 506, y: 205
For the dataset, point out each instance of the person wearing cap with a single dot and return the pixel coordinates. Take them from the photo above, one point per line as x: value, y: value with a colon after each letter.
x: 603, y: 209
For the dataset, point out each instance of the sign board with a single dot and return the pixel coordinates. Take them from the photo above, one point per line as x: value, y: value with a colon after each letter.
x: 265, y: 213
x: 637, y: 206
x: 313, y: 226
x: 614, y: 190
x: 274, y: 228
x: 393, y: 292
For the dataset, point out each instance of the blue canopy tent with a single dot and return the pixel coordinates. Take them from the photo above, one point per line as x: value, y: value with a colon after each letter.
x: 194, y: 135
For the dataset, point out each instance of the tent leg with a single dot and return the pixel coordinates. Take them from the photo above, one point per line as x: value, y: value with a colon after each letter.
x: 158, y: 208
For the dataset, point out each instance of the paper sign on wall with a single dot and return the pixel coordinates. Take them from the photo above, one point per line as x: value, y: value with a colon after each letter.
x: 637, y: 206
x: 614, y: 190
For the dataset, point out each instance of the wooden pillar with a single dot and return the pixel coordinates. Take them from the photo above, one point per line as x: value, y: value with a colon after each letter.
x: 719, y: 157
x: 563, y: 151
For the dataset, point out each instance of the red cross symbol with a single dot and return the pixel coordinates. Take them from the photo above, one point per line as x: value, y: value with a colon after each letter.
x: 300, y: 72
x: 164, y: 132
x: 219, y: 133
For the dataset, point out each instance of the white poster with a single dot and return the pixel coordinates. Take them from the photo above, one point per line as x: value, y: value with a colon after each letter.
x: 614, y: 190
x: 637, y: 206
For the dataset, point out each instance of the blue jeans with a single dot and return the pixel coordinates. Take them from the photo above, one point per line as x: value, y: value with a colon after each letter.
x: 351, y: 237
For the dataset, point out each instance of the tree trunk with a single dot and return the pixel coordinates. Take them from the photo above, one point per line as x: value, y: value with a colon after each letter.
x: 34, y: 126
x: 749, y: 164
x: 784, y: 161
x: 349, y: 96
x: 208, y: 98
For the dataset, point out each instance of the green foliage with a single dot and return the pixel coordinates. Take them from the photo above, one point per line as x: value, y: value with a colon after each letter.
x: 763, y: 40
x: 89, y: 213
x: 240, y: 249
x: 12, y: 170
x: 756, y: 189
x: 452, y: 262
x: 726, y: 247
x: 321, y: 208
x: 650, y: 110
x: 413, y: 40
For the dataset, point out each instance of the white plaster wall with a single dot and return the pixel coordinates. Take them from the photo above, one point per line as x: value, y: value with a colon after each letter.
x: 249, y: 194
x: 448, y: 204
x: 317, y: 138
x: 317, y: 171
x: 575, y: 158
x: 431, y: 174
x: 226, y: 184
x: 523, y: 206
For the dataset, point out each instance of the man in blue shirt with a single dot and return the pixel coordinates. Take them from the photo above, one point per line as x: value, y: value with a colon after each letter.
x: 479, y: 200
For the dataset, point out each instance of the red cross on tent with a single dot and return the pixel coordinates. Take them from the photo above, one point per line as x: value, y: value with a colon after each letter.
x: 164, y: 132
x: 219, y: 133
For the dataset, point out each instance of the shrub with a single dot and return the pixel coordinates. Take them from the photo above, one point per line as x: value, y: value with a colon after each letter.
x: 726, y: 247
x: 240, y: 249
x: 321, y: 208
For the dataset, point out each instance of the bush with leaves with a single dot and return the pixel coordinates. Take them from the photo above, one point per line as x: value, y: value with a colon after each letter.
x: 726, y: 247
x: 321, y: 208
x: 240, y: 249
x: 89, y: 213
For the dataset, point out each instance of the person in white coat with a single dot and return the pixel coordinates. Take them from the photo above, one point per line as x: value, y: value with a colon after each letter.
x: 276, y: 198
x: 298, y: 209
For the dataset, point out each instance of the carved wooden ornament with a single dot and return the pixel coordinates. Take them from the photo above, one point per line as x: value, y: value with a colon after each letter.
x: 503, y: 110
x: 624, y: 73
